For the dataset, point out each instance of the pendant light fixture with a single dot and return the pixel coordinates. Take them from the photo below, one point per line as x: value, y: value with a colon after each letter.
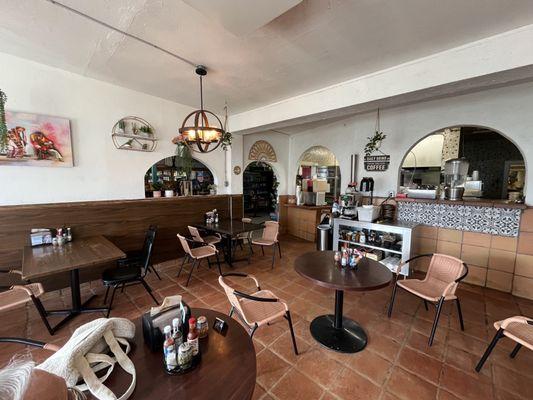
x: 197, y: 131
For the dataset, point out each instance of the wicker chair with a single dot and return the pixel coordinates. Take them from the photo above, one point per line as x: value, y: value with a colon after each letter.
x: 22, y: 293
x: 519, y: 329
x: 439, y: 285
x: 197, y: 254
x: 256, y: 309
x: 212, y: 239
x: 245, y: 237
x: 269, y: 238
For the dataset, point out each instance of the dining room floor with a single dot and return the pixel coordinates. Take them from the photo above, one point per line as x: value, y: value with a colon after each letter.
x: 396, y: 364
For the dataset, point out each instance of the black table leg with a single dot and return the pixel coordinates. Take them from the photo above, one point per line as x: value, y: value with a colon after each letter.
x: 338, y: 333
x: 77, y: 306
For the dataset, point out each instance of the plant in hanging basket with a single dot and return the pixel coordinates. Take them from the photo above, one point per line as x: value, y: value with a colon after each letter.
x: 183, y: 157
x: 374, y: 143
x: 3, y: 126
x: 226, y: 140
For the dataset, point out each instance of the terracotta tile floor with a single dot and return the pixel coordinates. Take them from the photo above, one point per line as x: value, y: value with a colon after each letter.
x: 397, y: 363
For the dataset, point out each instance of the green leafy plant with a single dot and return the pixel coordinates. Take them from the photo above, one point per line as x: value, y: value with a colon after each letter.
x: 226, y: 140
x: 122, y: 125
x: 146, y: 129
x: 374, y: 142
x: 3, y: 126
x: 156, y: 186
x: 183, y: 159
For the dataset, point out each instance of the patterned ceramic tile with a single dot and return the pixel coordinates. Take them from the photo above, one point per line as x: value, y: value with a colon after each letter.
x: 493, y: 220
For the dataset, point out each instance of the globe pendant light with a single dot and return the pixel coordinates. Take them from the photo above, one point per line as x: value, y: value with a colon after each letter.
x: 197, y: 132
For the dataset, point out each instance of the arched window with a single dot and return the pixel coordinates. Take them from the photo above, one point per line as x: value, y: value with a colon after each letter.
x: 169, y: 172
x: 318, y: 162
x: 496, y: 165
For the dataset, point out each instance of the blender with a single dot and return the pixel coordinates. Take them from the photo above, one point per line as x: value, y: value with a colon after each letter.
x: 455, y: 172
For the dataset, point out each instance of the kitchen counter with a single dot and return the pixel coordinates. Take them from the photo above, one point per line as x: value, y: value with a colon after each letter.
x: 301, y: 221
x: 468, y: 202
x: 326, y: 207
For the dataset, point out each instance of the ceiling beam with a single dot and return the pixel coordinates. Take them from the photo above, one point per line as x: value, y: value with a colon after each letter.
x: 499, y: 60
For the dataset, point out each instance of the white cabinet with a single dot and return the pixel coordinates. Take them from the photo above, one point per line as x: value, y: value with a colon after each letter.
x: 399, y: 250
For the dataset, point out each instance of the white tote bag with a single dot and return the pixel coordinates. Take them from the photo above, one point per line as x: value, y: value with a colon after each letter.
x: 87, y: 352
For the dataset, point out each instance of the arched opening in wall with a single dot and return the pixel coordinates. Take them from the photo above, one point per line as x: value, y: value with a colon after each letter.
x: 318, y: 181
x: 260, y: 191
x: 480, y: 162
x: 182, y: 177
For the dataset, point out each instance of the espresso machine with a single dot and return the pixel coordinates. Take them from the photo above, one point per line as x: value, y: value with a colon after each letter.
x: 455, y: 172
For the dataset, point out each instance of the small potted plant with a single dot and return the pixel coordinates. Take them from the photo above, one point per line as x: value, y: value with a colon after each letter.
x: 212, y: 189
x: 169, y: 189
x: 146, y: 129
x: 156, y: 189
x: 121, y: 127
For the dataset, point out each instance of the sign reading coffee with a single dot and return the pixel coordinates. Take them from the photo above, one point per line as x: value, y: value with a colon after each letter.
x: 377, y: 163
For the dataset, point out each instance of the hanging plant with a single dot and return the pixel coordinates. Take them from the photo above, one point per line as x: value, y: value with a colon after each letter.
x: 226, y: 140
x: 183, y: 157
x: 3, y: 126
x: 374, y: 142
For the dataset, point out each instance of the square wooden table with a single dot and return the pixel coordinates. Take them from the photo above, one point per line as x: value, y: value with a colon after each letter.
x: 230, y: 228
x: 44, y: 261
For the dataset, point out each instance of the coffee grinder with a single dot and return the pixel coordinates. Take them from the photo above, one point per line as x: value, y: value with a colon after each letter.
x: 455, y: 172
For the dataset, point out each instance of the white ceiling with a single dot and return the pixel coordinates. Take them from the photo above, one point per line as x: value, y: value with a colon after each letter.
x: 312, y: 45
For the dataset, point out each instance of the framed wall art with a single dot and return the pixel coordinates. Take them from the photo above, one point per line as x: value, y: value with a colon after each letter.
x: 37, y: 140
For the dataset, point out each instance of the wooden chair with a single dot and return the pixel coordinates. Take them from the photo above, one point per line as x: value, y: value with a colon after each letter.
x: 211, y: 239
x: 256, y: 309
x: 269, y: 238
x: 197, y: 254
x: 22, y: 293
x: 519, y: 329
x: 129, y: 273
x: 441, y: 281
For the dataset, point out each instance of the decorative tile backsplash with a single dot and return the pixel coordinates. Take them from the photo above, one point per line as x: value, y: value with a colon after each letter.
x: 493, y: 220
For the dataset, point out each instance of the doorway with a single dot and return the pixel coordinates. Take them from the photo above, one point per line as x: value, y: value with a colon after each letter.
x: 260, y: 192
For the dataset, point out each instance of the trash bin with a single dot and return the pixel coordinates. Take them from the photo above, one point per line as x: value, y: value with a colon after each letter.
x: 323, y: 237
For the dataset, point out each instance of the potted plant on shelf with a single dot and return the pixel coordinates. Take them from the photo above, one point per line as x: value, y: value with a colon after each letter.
x: 146, y: 129
x: 121, y: 127
x: 169, y: 189
x: 156, y: 189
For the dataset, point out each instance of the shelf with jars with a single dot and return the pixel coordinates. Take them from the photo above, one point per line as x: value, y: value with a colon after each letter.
x: 389, y: 243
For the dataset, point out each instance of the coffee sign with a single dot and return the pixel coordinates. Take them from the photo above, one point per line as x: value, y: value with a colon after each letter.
x: 377, y: 163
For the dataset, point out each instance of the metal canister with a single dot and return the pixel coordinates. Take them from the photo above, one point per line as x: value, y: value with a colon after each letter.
x: 185, y: 355
x: 202, y: 326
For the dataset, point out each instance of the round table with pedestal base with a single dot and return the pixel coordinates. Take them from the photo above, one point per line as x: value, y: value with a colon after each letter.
x: 335, y: 331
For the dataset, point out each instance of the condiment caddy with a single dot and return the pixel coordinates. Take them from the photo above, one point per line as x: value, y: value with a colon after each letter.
x: 182, y: 354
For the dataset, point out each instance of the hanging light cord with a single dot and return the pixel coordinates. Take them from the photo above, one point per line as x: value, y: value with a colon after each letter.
x: 155, y: 46
x: 201, y: 93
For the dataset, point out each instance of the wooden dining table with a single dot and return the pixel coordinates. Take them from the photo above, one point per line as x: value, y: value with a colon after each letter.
x: 337, y: 332
x: 227, y: 368
x: 45, y: 261
x: 229, y: 229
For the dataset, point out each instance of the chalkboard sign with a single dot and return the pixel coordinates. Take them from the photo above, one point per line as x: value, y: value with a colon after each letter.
x: 377, y: 163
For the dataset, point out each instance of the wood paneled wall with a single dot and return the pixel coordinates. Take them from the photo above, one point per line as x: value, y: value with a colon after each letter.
x: 124, y: 222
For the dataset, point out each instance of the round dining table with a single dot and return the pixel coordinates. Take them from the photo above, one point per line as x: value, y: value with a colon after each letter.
x: 227, y: 369
x: 337, y: 332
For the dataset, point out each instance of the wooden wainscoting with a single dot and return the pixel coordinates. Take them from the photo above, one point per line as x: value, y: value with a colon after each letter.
x: 123, y: 222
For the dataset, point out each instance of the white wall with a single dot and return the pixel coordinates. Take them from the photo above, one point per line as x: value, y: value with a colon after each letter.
x: 280, y: 144
x: 427, y: 153
x: 506, y: 110
x: 100, y: 170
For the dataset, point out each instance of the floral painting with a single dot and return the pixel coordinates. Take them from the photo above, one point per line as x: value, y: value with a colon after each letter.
x: 37, y: 140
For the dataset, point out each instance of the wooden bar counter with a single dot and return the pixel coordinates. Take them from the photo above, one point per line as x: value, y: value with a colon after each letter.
x: 301, y: 221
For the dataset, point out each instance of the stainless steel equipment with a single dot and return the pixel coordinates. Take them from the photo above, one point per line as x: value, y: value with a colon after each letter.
x: 422, y: 193
x: 455, y: 172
